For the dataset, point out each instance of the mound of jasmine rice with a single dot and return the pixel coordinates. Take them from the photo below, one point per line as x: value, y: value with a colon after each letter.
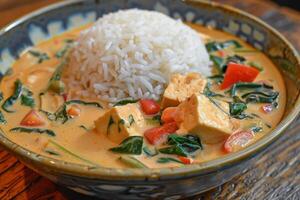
x: 131, y: 54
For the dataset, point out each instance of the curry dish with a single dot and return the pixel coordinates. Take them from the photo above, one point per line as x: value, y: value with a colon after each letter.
x: 197, y: 119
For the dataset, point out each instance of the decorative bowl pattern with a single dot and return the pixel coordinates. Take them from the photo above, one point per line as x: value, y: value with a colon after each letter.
x: 167, y: 183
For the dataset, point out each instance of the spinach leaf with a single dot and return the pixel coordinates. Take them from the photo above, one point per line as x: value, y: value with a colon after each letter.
x: 1, y: 96
x: 216, y: 46
x: 150, y: 152
x: 218, y: 62
x: 246, y: 86
x: 15, y: 96
x: 2, y: 119
x: 51, y: 152
x: 62, y: 52
x: 132, y: 162
x: 62, y: 148
x: 256, y: 129
x: 40, y: 55
x: 256, y: 66
x: 27, y: 98
x: 121, y: 121
x: 96, y: 104
x: 131, y: 145
x: 182, y: 145
x: 55, y: 84
x: 164, y: 160
x: 130, y: 119
x: 237, y: 110
x: 124, y: 102
x: 33, y: 130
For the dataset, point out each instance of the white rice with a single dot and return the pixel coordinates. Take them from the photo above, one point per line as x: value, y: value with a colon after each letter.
x: 131, y: 54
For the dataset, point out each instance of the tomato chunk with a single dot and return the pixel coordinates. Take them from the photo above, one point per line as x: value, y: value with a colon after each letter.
x: 32, y: 119
x: 149, y: 106
x: 73, y: 111
x: 185, y: 160
x: 169, y: 114
x: 237, y: 140
x: 238, y: 73
x: 158, y: 135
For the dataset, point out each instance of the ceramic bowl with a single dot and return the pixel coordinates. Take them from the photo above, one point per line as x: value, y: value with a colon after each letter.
x: 168, y: 183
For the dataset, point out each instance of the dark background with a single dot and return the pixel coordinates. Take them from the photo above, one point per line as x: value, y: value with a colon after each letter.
x: 290, y: 3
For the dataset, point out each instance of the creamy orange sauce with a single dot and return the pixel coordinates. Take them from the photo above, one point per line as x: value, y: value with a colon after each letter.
x: 93, y: 146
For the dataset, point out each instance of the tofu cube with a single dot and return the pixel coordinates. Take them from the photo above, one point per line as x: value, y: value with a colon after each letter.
x: 182, y: 87
x: 120, y: 122
x: 203, y: 117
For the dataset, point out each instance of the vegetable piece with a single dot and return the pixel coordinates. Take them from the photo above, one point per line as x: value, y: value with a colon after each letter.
x: 157, y: 135
x: 185, y: 160
x: 32, y: 119
x: 33, y: 130
x: 2, y: 119
x: 131, y: 145
x: 15, y: 96
x: 84, y: 127
x: 73, y: 111
x: 182, y: 145
x: 55, y: 83
x: 124, y: 102
x: 238, y: 73
x: 150, y: 152
x: 237, y: 140
x: 256, y: 66
x: 27, y: 98
x: 132, y: 162
x: 218, y: 62
x: 41, y: 56
x: 51, y: 152
x: 149, y: 106
x: 215, y: 46
x: 72, y: 154
x: 164, y: 160
x: 169, y: 114
x: 96, y: 104
x: 237, y: 108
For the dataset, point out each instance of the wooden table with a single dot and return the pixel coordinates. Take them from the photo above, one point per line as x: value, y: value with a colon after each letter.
x: 274, y: 175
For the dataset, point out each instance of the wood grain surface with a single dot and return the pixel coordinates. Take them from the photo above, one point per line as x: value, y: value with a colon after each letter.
x: 274, y: 175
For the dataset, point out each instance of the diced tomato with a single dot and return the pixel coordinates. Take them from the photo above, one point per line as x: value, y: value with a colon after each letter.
x: 149, y: 106
x: 238, y: 73
x: 238, y: 139
x: 185, y: 160
x: 73, y: 111
x: 158, y: 135
x: 267, y: 108
x: 169, y: 114
x: 32, y: 119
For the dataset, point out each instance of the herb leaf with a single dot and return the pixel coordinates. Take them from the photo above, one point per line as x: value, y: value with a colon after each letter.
x: 27, y: 98
x: 182, y: 145
x: 2, y: 119
x: 164, y: 160
x: 130, y: 119
x: 15, y: 96
x: 133, y: 162
x: 124, y: 102
x: 33, y: 130
x: 131, y: 145
x: 40, y: 55
x: 150, y: 152
x: 96, y: 104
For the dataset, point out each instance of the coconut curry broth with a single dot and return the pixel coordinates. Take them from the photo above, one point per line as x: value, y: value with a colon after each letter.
x: 77, y: 141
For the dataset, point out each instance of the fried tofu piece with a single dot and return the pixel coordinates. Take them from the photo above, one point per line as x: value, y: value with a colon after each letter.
x: 120, y: 122
x: 209, y: 120
x: 182, y: 87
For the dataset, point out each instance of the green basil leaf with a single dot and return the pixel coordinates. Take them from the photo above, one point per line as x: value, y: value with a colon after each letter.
x: 15, y: 96
x: 131, y: 145
x: 2, y: 119
x: 41, y: 56
x: 80, y: 102
x: 150, y: 152
x: 164, y: 160
x: 124, y: 102
x: 216, y: 46
x: 33, y: 130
